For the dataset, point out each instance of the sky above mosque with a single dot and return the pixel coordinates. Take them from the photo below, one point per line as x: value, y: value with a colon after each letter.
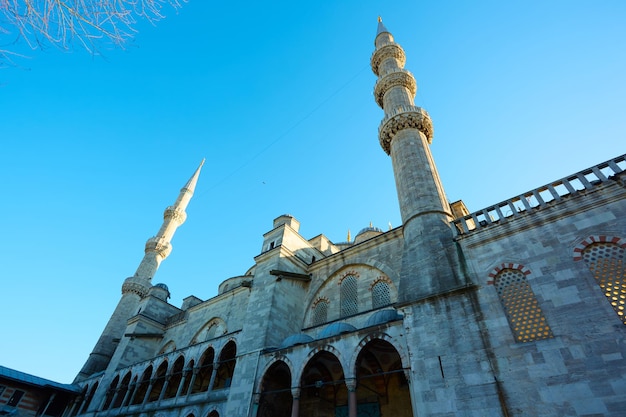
x: 277, y: 96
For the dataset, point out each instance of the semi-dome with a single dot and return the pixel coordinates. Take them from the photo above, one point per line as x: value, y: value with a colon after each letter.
x: 295, y: 339
x: 335, y: 329
x: 382, y: 316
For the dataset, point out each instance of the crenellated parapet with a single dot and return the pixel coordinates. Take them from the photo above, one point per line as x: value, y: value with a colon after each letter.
x: 394, y: 78
x: 405, y: 117
x: 389, y: 50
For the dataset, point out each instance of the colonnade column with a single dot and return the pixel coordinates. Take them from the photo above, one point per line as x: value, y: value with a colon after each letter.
x: 295, y: 404
x: 352, y: 404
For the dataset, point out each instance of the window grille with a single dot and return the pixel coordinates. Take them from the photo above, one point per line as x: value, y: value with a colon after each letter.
x: 605, y: 260
x: 381, y: 296
x: 320, y: 313
x: 349, y: 299
x: 520, y: 305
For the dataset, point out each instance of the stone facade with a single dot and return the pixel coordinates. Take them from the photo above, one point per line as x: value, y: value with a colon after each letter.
x: 514, y: 310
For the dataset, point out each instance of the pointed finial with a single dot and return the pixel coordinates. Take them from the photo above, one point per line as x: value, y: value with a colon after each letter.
x: 349, y: 236
x: 380, y: 19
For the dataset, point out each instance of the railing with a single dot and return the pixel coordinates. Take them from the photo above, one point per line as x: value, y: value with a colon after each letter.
x: 540, y: 197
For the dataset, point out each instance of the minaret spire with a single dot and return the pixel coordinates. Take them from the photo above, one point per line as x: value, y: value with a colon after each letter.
x: 430, y: 263
x: 136, y: 287
x: 159, y: 246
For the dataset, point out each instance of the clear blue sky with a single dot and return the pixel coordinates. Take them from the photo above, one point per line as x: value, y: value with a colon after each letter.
x: 278, y: 97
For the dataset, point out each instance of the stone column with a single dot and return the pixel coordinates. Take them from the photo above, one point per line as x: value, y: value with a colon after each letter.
x: 148, y: 391
x: 182, y: 383
x: 213, y: 375
x: 126, y: 396
x: 165, y: 384
x: 193, y: 380
x: 295, y: 404
x: 352, y: 405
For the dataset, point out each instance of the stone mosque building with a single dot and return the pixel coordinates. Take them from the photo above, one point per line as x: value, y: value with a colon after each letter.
x: 513, y: 310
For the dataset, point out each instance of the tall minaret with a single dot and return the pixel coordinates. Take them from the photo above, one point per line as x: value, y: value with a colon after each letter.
x: 430, y: 263
x: 137, y: 286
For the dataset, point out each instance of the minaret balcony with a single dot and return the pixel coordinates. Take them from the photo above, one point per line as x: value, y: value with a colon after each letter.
x: 394, y: 78
x: 176, y: 214
x: 389, y: 50
x: 158, y: 245
x: 404, y: 117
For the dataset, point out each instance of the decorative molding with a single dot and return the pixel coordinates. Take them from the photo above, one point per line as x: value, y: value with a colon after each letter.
x: 508, y: 265
x: 133, y: 285
x: 405, y: 117
x: 578, y: 250
x: 347, y: 274
x: 381, y: 278
x: 390, y: 50
x: 320, y: 300
x: 402, y: 78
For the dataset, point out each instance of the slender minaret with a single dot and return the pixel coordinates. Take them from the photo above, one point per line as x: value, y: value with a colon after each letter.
x: 430, y: 264
x: 137, y: 286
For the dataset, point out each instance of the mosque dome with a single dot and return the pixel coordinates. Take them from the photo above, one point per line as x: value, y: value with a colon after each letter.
x: 367, y: 233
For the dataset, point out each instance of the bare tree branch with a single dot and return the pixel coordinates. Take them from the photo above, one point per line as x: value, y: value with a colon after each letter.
x: 61, y: 23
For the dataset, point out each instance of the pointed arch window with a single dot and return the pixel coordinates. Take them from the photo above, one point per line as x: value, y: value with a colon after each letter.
x: 320, y: 313
x: 381, y: 295
x: 348, y: 295
x: 605, y: 260
x: 521, y: 307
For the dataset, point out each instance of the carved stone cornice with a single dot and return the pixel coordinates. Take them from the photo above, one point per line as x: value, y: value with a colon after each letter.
x: 405, y: 117
x: 390, y: 50
x: 135, y: 285
x: 160, y: 246
x: 175, y: 214
x: 402, y: 78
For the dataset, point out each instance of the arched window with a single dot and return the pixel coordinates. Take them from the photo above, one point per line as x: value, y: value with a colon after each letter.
x: 348, y: 295
x: 605, y: 260
x: 203, y: 375
x: 110, y: 393
x: 226, y: 369
x: 381, y: 295
x: 320, y: 313
x: 520, y: 305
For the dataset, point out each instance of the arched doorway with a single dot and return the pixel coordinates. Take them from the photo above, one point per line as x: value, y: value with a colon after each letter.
x: 322, y: 387
x: 382, y: 389
x: 276, y: 398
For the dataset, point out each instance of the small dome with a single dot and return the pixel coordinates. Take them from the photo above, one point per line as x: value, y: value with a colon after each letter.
x: 160, y: 291
x: 295, y: 339
x: 383, y: 316
x: 335, y: 329
x: 367, y: 233
x: 370, y: 229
